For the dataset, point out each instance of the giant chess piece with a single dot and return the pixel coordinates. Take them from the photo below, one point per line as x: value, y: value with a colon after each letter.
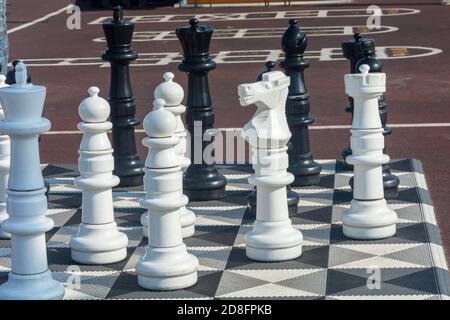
x: 201, y: 181
x: 166, y: 265
x: 293, y: 197
x: 119, y: 33
x: 173, y: 94
x: 351, y: 50
x: 4, y: 167
x: 301, y: 163
x: 272, y: 238
x: 26, y: 203
x: 97, y: 241
x: 369, y: 217
x: 390, y: 181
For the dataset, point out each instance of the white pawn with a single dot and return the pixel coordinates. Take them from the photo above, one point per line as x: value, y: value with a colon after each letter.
x: 272, y: 238
x: 172, y: 93
x: 98, y: 240
x: 26, y: 202
x: 166, y: 265
x: 4, y: 167
x: 369, y: 217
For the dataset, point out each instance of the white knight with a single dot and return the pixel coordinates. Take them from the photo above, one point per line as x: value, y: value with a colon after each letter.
x: 273, y: 237
x: 369, y: 217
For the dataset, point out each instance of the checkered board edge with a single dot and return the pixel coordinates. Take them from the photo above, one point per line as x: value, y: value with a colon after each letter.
x: 411, y: 264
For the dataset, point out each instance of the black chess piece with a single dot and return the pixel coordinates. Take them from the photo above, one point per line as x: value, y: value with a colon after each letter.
x: 202, y: 181
x: 293, y: 198
x: 11, y: 74
x: 301, y: 163
x: 119, y: 53
x: 351, y: 50
x: 390, y: 181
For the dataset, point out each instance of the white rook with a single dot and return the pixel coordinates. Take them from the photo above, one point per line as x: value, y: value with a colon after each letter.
x: 369, y: 217
x: 26, y: 202
x: 272, y: 238
x: 4, y: 167
x: 98, y: 240
x: 172, y: 93
x: 166, y: 265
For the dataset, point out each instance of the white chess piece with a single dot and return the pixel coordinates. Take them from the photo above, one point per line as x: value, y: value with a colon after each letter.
x: 26, y: 202
x: 273, y: 238
x: 166, y: 265
x: 173, y: 94
x: 369, y: 217
x: 97, y: 241
x: 4, y: 167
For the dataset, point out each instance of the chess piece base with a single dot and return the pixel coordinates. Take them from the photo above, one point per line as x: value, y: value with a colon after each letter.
x: 187, y: 219
x: 369, y: 220
x: 273, y: 241
x: 130, y: 176
x: 203, y: 184
x: 31, y: 287
x: 306, y: 171
x: 98, y: 244
x: 167, y: 268
x: 293, y: 199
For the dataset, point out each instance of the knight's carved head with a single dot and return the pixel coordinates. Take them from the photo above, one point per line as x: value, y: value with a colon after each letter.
x: 269, y: 93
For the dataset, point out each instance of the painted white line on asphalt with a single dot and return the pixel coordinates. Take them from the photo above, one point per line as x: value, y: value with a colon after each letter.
x: 331, y: 127
x: 41, y: 19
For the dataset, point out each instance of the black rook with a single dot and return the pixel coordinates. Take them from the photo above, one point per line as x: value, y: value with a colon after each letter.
x: 202, y: 181
x: 301, y: 162
x: 119, y: 53
x: 390, y: 181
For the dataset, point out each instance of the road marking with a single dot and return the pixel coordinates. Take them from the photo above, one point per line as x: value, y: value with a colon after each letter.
x: 41, y: 19
x: 298, y: 14
x: 330, y: 127
x: 238, y: 56
x: 141, y: 36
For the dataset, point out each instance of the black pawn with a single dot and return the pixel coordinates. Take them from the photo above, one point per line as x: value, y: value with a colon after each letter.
x: 352, y: 51
x: 390, y: 181
x: 301, y: 163
x: 292, y: 197
x: 202, y: 181
x: 120, y: 53
x: 11, y: 74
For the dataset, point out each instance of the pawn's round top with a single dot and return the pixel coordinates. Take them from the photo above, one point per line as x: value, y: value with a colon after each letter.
x: 94, y: 108
x: 171, y: 92
x: 159, y: 123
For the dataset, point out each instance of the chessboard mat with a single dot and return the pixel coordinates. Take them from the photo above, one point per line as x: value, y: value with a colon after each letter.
x: 411, y: 264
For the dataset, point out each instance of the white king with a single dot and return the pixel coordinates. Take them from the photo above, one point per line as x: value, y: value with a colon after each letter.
x: 273, y: 238
x: 26, y: 202
x: 97, y: 241
x: 166, y: 265
x: 369, y: 217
